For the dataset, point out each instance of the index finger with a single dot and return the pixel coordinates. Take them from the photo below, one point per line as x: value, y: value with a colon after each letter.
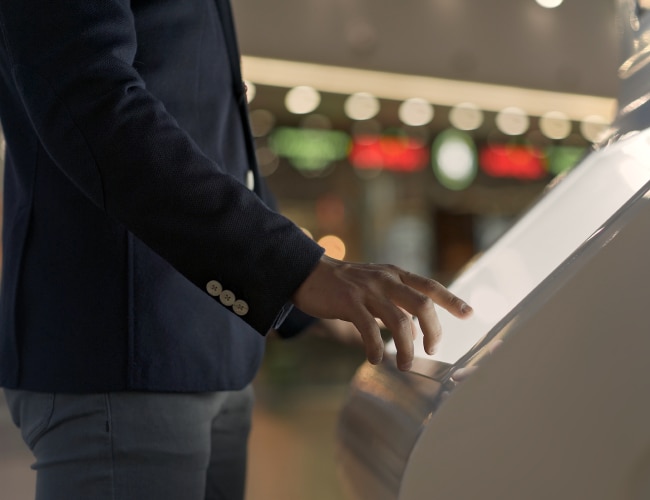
x: 438, y: 293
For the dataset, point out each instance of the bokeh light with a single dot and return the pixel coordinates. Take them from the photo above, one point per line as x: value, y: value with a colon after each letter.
x: 361, y: 106
x: 302, y: 100
x: 555, y: 125
x: 512, y: 121
x: 416, y: 112
x: 310, y: 151
x: 592, y: 127
x: 333, y: 245
x: 549, y: 4
x: 466, y: 116
x: 454, y: 159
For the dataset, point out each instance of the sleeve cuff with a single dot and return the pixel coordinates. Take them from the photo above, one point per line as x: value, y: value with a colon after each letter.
x: 294, y: 322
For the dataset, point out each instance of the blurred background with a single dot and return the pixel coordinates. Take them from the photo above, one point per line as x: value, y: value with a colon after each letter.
x: 411, y: 132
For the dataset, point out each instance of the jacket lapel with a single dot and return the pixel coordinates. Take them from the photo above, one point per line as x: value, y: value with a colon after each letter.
x: 228, y: 26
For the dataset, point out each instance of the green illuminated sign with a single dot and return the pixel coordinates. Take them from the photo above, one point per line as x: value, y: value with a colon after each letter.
x: 563, y: 158
x: 309, y: 149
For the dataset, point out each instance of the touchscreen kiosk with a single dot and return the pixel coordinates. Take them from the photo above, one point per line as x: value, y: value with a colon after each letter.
x: 543, y: 393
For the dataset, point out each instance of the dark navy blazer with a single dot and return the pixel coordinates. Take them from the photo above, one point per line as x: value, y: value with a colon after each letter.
x: 128, y: 151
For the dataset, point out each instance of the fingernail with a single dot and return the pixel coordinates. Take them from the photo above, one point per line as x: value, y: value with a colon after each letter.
x: 465, y: 309
x: 405, y: 366
x: 431, y: 351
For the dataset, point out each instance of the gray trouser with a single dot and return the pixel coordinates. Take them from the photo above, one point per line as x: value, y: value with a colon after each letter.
x: 136, y: 446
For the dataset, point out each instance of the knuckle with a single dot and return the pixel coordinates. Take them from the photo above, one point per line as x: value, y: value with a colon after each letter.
x: 403, y: 323
x: 369, y: 327
x: 385, y: 275
x: 434, y: 287
x: 455, y: 302
x: 423, y: 303
x: 392, y: 268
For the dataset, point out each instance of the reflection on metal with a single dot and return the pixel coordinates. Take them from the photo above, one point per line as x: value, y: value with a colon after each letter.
x: 636, y: 104
x: 401, y: 402
x: 634, y: 72
x: 560, y: 410
x: 638, y: 38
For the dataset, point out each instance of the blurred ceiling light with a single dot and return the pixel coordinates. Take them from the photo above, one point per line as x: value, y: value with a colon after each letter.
x: 302, y: 99
x: 361, y: 106
x: 333, y: 245
x: 555, y: 125
x: 466, y: 116
x: 251, y: 90
x: 442, y: 92
x: 512, y: 121
x: 415, y: 112
x: 591, y: 127
x: 549, y: 4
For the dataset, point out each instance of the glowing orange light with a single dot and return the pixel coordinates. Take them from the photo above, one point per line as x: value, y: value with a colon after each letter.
x: 333, y: 245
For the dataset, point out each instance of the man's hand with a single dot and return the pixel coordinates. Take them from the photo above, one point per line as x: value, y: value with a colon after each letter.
x: 362, y: 293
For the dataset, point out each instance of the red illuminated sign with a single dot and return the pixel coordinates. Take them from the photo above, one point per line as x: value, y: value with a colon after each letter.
x: 399, y: 154
x: 515, y: 161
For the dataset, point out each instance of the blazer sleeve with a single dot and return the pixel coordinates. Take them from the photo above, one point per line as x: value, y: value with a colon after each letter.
x: 72, y: 63
x: 296, y: 321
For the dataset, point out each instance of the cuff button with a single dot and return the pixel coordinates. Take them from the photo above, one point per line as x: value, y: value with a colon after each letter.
x: 240, y: 307
x: 214, y: 288
x: 227, y: 298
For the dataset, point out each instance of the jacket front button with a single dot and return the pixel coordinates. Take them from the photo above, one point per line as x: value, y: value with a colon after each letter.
x: 214, y: 288
x: 240, y: 307
x: 227, y: 298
